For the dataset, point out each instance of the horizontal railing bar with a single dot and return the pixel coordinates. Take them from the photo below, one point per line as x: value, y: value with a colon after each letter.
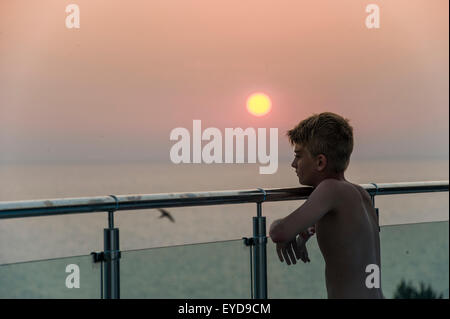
x: 61, y: 206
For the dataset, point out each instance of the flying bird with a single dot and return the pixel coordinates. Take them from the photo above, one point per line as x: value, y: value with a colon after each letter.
x: 165, y: 213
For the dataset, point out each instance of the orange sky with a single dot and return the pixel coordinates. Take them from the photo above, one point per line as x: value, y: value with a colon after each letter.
x: 135, y: 70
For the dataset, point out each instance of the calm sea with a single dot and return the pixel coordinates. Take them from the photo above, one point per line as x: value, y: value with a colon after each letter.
x: 60, y: 236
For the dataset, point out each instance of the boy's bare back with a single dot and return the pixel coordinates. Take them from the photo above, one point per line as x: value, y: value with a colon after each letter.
x: 348, y: 238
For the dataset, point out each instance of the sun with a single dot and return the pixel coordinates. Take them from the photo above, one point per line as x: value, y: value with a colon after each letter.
x: 258, y: 104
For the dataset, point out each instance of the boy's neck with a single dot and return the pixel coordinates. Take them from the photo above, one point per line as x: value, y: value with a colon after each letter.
x: 338, y: 176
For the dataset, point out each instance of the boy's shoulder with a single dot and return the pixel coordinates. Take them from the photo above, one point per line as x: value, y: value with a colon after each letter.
x: 344, y: 187
x: 332, y: 184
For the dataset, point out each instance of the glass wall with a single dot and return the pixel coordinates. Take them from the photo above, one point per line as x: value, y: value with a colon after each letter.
x: 209, y: 270
x: 410, y: 253
x: 65, y: 278
x: 415, y: 253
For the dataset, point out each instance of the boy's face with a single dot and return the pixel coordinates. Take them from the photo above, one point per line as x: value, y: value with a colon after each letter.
x: 304, y: 165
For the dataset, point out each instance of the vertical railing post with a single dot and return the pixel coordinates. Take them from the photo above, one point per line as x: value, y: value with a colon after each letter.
x: 373, y: 203
x: 259, y: 255
x: 112, y: 258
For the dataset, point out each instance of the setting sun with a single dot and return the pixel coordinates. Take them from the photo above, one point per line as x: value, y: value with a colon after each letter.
x: 259, y: 104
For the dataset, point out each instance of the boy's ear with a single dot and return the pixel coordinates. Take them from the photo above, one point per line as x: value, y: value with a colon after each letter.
x: 321, y: 162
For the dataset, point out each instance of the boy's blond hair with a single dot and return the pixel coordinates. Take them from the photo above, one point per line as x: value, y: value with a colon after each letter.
x: 328, y: 134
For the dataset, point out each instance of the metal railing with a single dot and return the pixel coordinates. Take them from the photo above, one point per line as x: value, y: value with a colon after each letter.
x: 113, y: 203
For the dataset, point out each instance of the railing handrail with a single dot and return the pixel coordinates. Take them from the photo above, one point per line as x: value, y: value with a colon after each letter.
x: 60, y: 206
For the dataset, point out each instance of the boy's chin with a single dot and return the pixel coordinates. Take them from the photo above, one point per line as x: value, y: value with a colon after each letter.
x: 304, y: 183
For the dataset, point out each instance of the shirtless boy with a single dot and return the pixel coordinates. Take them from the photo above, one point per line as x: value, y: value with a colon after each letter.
x: 340, y: 213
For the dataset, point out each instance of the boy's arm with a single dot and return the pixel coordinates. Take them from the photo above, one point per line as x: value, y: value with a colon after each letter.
x: 304, y: 234
x: 322, y: 200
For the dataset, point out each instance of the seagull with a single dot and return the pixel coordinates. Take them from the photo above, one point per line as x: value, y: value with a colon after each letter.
x: 165, y: 213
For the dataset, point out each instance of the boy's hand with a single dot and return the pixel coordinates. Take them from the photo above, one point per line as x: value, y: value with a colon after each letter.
x: 288, y: 249
x: 285, y: 249
x: 302, y: 251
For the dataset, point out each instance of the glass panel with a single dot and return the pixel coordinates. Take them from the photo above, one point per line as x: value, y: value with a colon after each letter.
x: 209, y: 270
x: 411, y: 252
x: 299, y: 281
x: 47, y: 279
x: 415, y: 253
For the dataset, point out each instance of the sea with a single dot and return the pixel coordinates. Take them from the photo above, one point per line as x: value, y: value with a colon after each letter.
x: 207, y: 257
x: 46, y: 237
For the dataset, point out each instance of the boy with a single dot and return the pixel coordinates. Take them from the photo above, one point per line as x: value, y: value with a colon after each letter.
x: 339, y: 212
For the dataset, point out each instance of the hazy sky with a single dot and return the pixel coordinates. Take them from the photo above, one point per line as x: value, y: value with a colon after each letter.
x: 134, y: 70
